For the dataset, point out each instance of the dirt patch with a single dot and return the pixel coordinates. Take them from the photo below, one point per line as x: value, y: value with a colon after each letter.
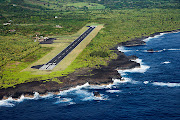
x: 13, y: 64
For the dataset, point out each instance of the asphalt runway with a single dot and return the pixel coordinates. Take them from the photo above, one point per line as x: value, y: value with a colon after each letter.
x: 58, y: 58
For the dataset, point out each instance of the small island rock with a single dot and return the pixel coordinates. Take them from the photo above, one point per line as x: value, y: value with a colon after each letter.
x: 96, y: 94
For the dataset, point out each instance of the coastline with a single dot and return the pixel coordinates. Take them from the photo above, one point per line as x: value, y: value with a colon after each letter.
x: 104, y: 75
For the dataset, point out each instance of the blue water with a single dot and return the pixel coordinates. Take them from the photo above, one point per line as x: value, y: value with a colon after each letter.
x: 151, y: 92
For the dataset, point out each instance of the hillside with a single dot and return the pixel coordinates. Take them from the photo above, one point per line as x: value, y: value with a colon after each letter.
x: 113, y: 4
x: 101, y: 4
x: 94, y: 4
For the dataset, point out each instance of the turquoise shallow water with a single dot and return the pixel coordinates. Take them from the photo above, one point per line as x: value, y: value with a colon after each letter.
x: 150, y: 92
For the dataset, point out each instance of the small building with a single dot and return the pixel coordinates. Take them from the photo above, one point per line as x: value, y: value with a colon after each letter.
x: 45, y: 38
x: 12, y: 30
x: 6, y: 23
x: 58, y: 26
x: 56, y: 17
x: 41, y: 38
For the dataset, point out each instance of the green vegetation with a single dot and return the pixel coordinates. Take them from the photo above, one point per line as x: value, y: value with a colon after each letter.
x: 102, y: 4
x: 125, y: 25
x: 16, y: 48
x: 30, y: 18
x: 65, y: 6
x: 102, y: 54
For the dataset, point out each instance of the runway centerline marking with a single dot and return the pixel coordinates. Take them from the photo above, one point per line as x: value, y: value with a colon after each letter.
x: 50, y: 65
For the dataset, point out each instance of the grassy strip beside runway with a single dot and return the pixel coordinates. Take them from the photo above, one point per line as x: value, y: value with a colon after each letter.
x: 61, y: 43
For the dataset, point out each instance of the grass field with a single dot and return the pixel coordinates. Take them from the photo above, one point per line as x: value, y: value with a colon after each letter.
x: 54, y: 4
x: 61, y: 43
x: 88, y: 5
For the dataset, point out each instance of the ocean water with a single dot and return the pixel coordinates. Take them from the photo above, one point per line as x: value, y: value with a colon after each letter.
x: 151, y: 92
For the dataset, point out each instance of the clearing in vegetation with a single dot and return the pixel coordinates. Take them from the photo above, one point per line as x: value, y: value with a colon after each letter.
x: 61, y: 43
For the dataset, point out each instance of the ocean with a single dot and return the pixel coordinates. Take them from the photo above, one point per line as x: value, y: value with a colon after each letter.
x: 151, y: 92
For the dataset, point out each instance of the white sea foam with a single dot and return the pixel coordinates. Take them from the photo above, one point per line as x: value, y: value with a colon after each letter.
x: 82, y: 91
x: 10, y: 102
x: 92, y: 97
x: 113, y: 91
x: 166, y: 62
x: 157, y: 36
x: 101, y: 86
x: 122, y: 49
x: 138, y: 61
x: 166, y: 84
x: 63, y: 100
x: 174, y: 49
x: 64, y: 92
x: 110, y: 86
x: 85, y: 95
x: 146, y: 82
x: 126, y: 80
x: 160, y: 50
x: 142, y: 69
x: 123, y: 80
x: 7, y: 103
x: 37, y: 96
x: 98, y: 87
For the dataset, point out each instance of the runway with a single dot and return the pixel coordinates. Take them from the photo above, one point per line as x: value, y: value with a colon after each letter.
x: 58, y: 58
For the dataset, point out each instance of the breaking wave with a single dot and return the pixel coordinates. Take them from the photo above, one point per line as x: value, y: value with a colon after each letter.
x: 166, y: 84
x: 85, y: 92
x: 142, y: 69
x: 82, y: 93
x: 166, y: 62
x: 122, y: 49
x: 67, y: 101
x: 113, y: 91
x: 146, y: 82
x: 157, y: 36
x: 64, y: 92
x: 10, y: 102
x: 174, y: 49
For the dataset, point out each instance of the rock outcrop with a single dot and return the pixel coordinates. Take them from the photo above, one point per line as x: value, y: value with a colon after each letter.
x: 134, y: 42
x: 96, y: 94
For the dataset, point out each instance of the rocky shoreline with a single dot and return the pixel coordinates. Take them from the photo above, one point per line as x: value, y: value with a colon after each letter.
x: 104, y: 75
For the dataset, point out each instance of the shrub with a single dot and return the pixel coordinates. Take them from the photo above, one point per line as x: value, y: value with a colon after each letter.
x: 102, y: 54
